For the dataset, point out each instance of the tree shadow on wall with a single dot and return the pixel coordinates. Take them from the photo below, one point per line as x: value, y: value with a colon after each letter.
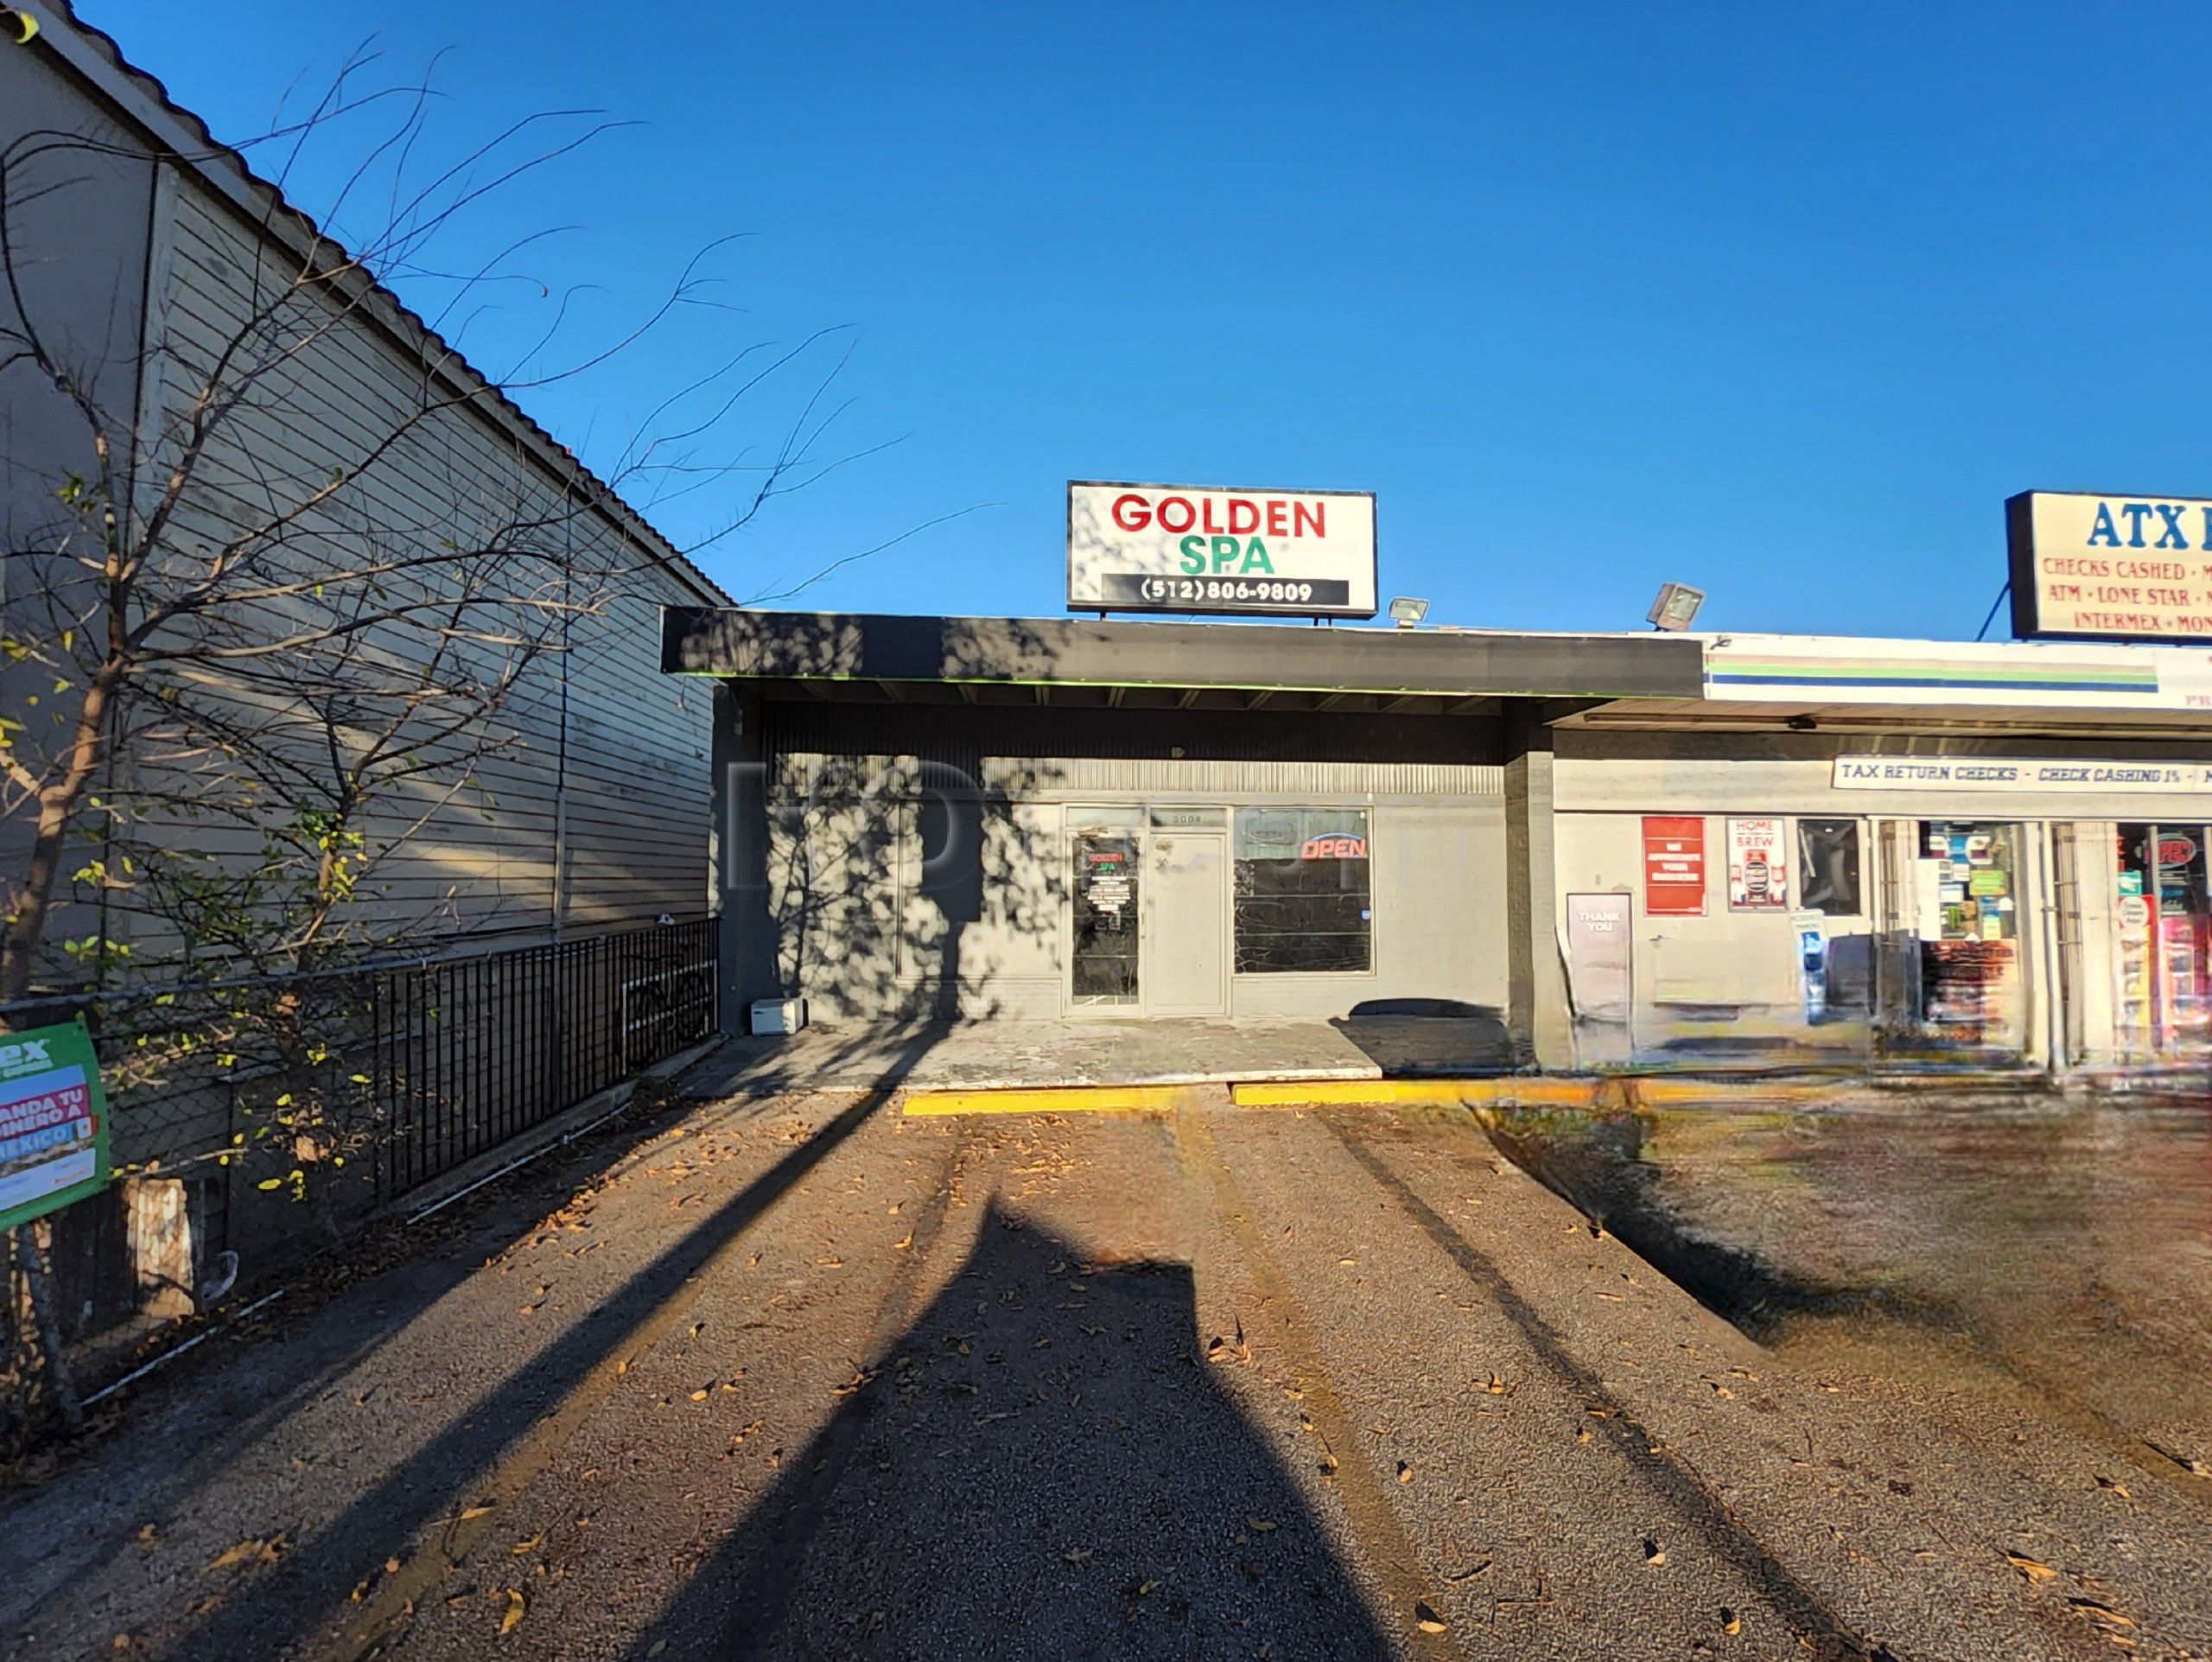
x: 895, y: 887
x: 891, y: 878
x: 1042, y: 1466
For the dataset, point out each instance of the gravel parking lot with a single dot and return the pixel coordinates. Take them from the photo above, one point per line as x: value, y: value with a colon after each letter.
x: 803, y: 1377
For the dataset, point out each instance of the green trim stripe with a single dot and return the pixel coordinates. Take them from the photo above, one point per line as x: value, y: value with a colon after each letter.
x: 1829, y: 670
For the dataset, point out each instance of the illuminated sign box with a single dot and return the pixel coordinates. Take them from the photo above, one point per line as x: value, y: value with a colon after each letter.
x: 2090, y: 567
x: 1198, y: 548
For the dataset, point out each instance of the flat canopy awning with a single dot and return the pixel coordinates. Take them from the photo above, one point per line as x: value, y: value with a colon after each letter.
x: 1438, y: 667
x: 1830, y: 684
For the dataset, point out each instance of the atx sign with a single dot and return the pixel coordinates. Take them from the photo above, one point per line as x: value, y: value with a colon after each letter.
x: 2110, y: 567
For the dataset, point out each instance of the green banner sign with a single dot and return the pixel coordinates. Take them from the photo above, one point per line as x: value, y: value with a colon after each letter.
x: 52, y: 1122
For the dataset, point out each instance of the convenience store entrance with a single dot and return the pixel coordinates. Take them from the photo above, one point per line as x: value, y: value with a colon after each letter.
x: 1970, y: 880
x: 2162, y: 927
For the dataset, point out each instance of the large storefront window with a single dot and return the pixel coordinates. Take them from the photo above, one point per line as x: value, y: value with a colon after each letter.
x: 2162, y: 927
x: 1304, y: 900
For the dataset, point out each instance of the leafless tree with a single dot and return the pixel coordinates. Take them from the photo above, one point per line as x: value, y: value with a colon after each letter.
x: 220, y: 627
x: 247, y: 665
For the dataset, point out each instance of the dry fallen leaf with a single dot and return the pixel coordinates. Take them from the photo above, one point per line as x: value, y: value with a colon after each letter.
x: 1654, y: 1554
x: 477, y: 1510
x: 1258, y: 1526
x: 512, y: 1616
x: 1730, y: 1621
x: 254, y: 1550
x: 1405, y: 1472
x: 2034, y: 1570
x: 522, y: 1548
x: 2097, y: 1610
x: 1426, y: 1619
x: 2189, y: 1463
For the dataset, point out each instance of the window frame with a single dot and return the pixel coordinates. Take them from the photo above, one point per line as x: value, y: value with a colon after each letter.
x: 1798, y: 878
x: 1366, y: 811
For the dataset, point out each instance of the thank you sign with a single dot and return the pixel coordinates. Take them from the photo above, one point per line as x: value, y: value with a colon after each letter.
x: 2126, y: 568
x: 53, y: 1121
x: 1190, y: 548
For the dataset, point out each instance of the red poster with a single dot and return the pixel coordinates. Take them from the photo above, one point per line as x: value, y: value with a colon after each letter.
x: 1673, y: 866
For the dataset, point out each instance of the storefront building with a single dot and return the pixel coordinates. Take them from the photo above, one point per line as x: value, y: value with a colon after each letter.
x: 1050, y: 819
x: 1601, y: 852
x: 1909, y: 852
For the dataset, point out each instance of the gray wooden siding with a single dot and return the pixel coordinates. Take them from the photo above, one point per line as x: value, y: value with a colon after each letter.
x: 78, y: 225
x: 594, y: 809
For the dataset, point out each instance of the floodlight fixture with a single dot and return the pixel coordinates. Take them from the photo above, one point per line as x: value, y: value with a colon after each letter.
x: 1407, y: 610
x: 1676, y: 607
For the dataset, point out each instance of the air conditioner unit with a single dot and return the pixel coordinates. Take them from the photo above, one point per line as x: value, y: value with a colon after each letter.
x: 778, y: 1014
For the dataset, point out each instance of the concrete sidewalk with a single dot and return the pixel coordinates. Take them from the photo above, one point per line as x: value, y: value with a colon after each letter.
x: 998, y: 1054
x: 1375, y: 1059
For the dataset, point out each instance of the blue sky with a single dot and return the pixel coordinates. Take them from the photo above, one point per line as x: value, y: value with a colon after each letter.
x: 1780, y: 301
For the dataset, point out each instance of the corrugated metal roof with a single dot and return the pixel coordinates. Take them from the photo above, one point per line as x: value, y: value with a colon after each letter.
x: 143, y: 99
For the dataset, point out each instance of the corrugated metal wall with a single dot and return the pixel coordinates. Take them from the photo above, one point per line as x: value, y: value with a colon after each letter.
x: 960, y: 735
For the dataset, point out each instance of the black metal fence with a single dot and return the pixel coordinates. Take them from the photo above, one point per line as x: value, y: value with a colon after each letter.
x: 469, y: 1051
x: 257, y: 1122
